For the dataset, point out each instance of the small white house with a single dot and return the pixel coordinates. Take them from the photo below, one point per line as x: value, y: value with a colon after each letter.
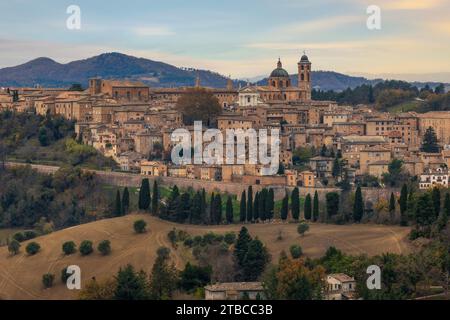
x: 431, y: 178
x: 340, y: 287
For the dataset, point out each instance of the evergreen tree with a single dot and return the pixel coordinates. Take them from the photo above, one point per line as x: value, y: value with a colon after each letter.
x: 155, y: 198
x: 229, y: 210
x: 262, y: 205
x: 445, y: 214
x: 256, y: 207
x: 144, y: 195
x: 295, y: 204
x: 241, y: 247
x: 255, y: 261
x: 424, y: 213
x: 336, y: 170
x: 131, y: 285
x: 118, y: 205
x: 218, y: 209
x: 265, y: 205
x: 403, y: 203
x: 316, y: 206
x: 250, y: 204
x: 243, y: 207
x: 203, y: 207
x: 308, y: 207
x: 212, y: 209
x: 196, y: 209
x: 271, y: 204
x: 125, y: 201
x: 163, y: 279
x: 285, y: 208
x: 358, y: 206
x: 430, y: 142
x: 436, y: 197
x: 332, y: 203
x: 392, y: 204
x: 183, y: 208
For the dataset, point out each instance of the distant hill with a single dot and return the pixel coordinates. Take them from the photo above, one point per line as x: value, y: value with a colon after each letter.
x: 329, y: 80
x: 49, y: 73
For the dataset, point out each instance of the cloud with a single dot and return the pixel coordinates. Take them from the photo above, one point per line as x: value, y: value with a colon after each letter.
x: 325, y: 24
x: 153, y: 31
x: 404, y: 4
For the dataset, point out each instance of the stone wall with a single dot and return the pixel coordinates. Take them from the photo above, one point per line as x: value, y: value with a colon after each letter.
x: 134, y: 180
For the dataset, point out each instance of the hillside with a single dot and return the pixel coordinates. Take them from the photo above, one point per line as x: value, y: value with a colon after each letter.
x: 20, y: 276
x: 47, y: 72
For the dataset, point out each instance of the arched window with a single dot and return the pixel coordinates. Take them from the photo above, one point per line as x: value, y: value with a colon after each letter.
x: 302, y: 77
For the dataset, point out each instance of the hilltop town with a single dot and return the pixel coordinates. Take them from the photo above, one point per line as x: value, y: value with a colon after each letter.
x: 323, y: 143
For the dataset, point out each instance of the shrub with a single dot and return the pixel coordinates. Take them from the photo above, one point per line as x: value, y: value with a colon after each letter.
x: 14, y: 247
x: 296, y: 251
x: 188, y: 242
x: 302, y: 228
x: 19, y: 236
x: 140, y: 226
x: 86, y: 248
x: 104, y: 247
x: 69, y: 247
x: 30, y: 234
x: 47, y: 280
x: 230, y: 238
x: 32, y: 248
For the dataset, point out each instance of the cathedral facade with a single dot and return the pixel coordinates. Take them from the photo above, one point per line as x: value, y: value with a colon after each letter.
x: 279, y: 85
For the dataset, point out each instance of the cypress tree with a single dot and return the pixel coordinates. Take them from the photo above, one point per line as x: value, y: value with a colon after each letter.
x: 155, y: 198
x: 218, y: 209
x: 266, y: 205
x: 445, y: 214
x: 295, y: 204
x: 285, y: 208
x: 212, y: 209
x: 436, y: 197
x: 358, y: 207
x: 144, y: 195
x: 118, y: 205
x: 256, y: 207
x: 262, y: 205
x: 243, y: 207
x: 392, y: 206
x: 125, y: 201
x: 250, y: 204
x: 316, y: 206
x: 203, y: 207
x: 229, y: 210
x: 196, y: 209
x: 271, y: 205
x: 403, y: 203
x: 308, y: 207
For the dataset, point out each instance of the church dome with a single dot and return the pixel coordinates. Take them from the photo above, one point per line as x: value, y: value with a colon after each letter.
x: 304, y: 58
x: 279, y: 72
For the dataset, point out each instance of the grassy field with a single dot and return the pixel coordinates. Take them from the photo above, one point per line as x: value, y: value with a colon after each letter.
x: 21, y: 275
x: 406, y: 106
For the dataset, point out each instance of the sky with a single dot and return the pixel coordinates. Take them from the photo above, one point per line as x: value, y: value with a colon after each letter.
x: 242, y: 38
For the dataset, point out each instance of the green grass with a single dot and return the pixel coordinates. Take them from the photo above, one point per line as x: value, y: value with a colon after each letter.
x: 412, y: 105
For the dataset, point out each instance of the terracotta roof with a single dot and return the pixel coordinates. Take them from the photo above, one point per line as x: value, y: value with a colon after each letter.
x: 342, y: 277
x: 236, y: 286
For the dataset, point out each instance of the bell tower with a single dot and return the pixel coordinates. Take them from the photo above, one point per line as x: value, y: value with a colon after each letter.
x: 304, y: 78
